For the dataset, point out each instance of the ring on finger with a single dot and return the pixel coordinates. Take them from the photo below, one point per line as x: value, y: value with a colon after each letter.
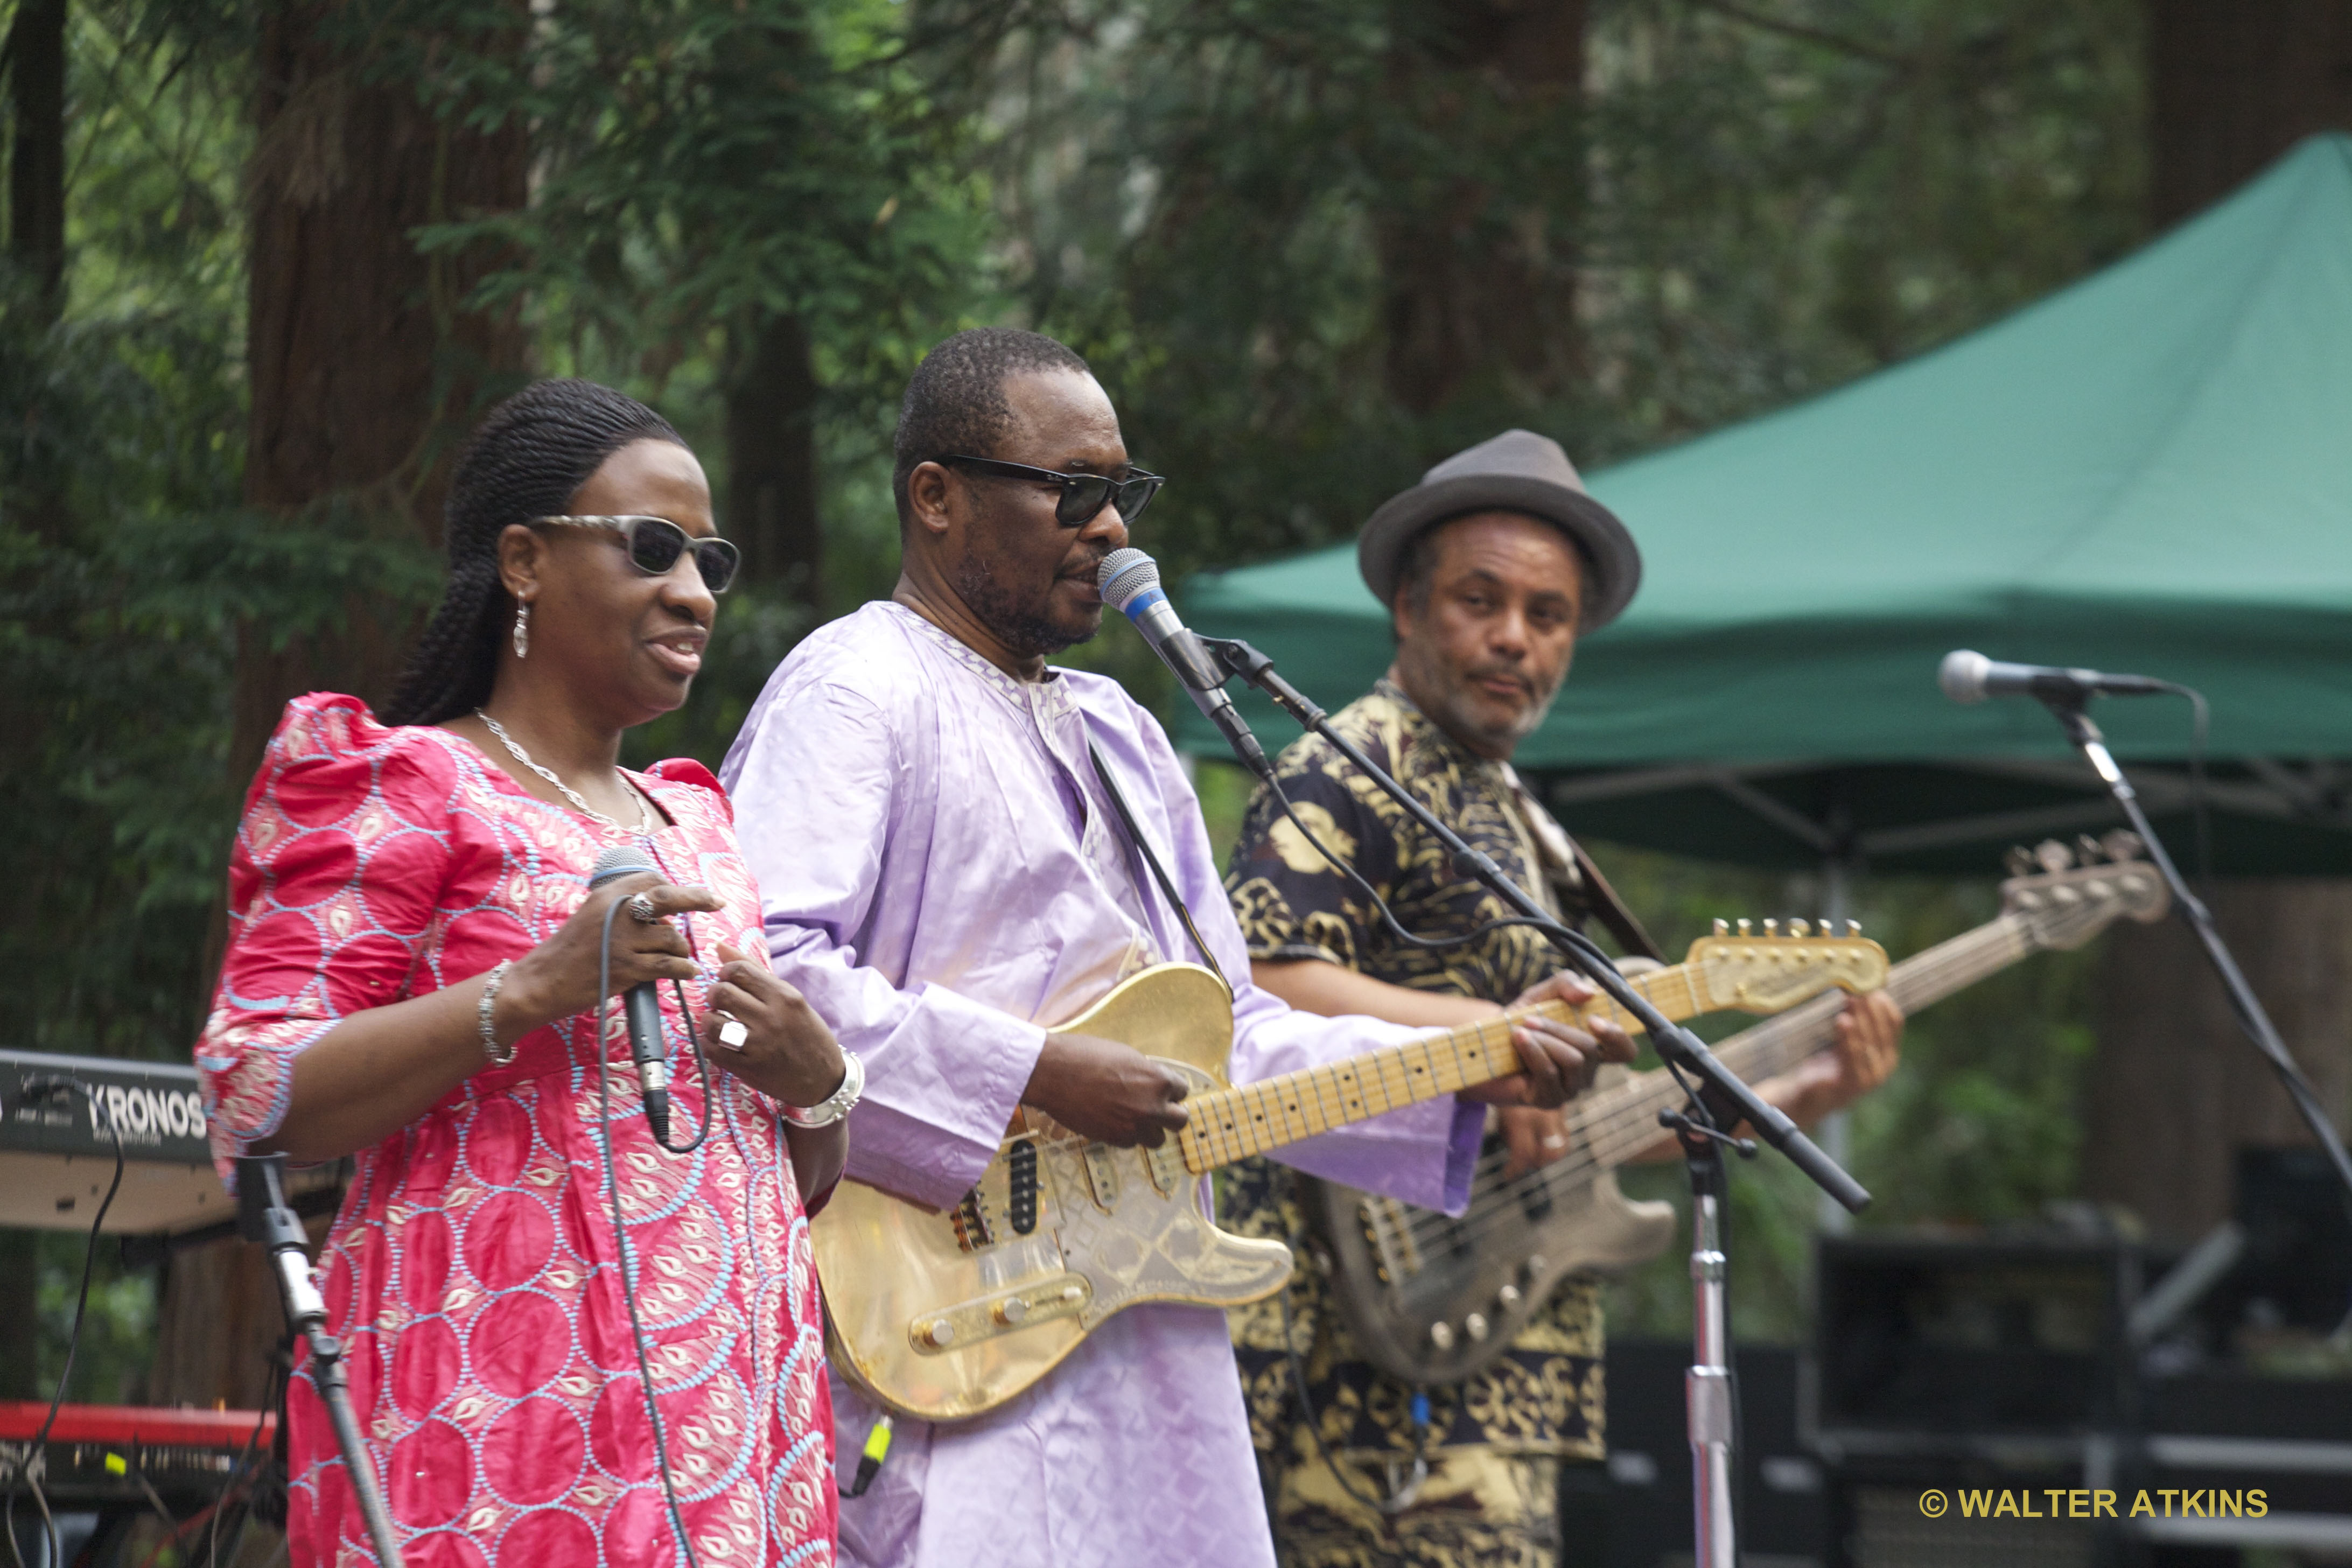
x: 732, y: 1034
x: 641, y: 910
x: 1555, y: 1141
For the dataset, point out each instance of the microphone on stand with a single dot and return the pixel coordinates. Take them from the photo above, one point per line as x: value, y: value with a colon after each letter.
x: 1970, y: 677
x: 642, y: 1006
x: 1130, y: 583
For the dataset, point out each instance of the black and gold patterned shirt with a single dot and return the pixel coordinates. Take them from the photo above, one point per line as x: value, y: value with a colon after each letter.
x: 1543, y: 1396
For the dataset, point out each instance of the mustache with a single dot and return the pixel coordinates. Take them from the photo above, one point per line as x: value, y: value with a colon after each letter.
x: 1507, y: 671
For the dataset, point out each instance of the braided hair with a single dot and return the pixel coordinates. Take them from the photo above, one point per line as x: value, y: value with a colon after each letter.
x: 533, y: 452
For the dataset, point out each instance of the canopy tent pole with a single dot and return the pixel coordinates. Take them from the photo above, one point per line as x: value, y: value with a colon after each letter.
x: 1840, y: 870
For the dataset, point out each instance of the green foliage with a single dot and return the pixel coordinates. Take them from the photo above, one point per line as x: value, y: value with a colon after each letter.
x: 116, y: 508
x: 1748, y: 205
x: 1233, y: 207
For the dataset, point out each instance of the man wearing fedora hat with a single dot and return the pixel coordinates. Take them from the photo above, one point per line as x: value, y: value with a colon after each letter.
x: 1492, y: 567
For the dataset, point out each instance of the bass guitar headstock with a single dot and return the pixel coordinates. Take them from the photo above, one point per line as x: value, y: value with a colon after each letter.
x: 1746, y: 971
x: 2066, y: 894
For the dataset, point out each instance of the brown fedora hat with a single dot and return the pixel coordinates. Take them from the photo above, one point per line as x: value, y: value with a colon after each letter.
x: 1518, y: 471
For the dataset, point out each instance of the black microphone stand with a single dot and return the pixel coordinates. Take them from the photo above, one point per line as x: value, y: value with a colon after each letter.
x: 2068, y: 710
x: 265, y: 1217
x: 1721, y: 1101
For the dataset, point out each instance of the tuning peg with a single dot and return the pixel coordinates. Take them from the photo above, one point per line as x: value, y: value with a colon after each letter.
x: 2052, y: 857
x: 1853, y: 928
x: 2020, y: 861
x: 2088, y: 851
x: 1771, y: 930
x: 2123, y: 845
x: 1743, y: 927
x: 1722, y: 928
x: 1799, y: 928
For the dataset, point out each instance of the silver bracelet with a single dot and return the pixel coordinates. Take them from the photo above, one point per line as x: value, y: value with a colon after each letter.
x: 836, y: 1105
x: 483, y: 1015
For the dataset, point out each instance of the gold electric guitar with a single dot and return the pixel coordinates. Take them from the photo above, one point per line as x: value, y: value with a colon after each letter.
x: 1430, y: 1299
x: 945, y: 1314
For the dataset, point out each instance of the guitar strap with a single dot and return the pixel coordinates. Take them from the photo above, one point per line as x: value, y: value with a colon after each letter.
x: 1151, y: 858
x: 1611, y: 910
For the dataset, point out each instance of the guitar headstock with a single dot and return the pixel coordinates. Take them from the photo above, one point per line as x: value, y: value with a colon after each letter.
x: 1765, y: 971
x: 2066, y: 894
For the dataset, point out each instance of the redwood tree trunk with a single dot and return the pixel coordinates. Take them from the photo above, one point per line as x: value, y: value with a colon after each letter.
x: 1478, y: 284
x: 772, y: 493
x: 365, y: 373
x: 36, y: 246
x: 2231, y: 86
x: 2176, y: 1088
x: 365, y: 376
x: 37, y: 159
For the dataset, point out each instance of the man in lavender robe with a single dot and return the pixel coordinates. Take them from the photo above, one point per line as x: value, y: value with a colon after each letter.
x: 944, y: 875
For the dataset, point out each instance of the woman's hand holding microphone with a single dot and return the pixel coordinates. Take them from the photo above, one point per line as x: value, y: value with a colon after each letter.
x: 780, y: 1047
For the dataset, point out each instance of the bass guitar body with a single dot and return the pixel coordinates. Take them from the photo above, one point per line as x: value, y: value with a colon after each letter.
x: 1447, y: 1294
x: 942, y: 1314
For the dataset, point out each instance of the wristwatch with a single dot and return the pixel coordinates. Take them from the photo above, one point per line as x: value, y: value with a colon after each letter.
x: 835, y: 1105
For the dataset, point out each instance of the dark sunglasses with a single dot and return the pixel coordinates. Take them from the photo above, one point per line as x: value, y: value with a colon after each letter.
x: 654, y: 545
x: 1083, y: 494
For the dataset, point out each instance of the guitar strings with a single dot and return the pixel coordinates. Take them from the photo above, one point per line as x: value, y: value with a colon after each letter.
x: 1763, y: 1049
x: 1925, y: 978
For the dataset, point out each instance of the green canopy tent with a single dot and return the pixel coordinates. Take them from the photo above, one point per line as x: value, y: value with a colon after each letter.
x: 2149, y: 471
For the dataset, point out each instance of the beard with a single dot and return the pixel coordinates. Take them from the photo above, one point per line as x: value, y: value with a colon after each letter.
x: 1021, y: 625
x: 1461, y: 713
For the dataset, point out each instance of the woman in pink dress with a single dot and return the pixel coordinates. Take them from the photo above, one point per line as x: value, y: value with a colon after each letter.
x: 413, y: 979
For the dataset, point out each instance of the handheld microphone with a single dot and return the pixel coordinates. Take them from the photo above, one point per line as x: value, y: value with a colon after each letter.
x: 1129, y: 582
x: 642, y: 1005
x: 1970, y: 677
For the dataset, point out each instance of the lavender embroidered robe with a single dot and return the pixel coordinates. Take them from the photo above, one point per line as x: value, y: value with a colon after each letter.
x: 942, y: 877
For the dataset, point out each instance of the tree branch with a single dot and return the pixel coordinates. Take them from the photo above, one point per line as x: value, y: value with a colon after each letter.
x: 1803, y: 33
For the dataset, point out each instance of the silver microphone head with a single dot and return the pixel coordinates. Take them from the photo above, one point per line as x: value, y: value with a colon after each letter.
x: 1963, y: 674
x: 1125, y: 573
x: 618, y: 860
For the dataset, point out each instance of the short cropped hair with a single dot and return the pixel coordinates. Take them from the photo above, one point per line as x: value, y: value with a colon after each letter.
x: 955, y: 400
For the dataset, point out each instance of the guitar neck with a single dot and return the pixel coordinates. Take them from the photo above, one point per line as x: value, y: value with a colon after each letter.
x: 1618, y: 1124
x: 1234, y: 1123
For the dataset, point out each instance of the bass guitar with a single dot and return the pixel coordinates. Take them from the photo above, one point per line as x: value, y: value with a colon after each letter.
x: 945, y: 1314
x: 1434, y: 1299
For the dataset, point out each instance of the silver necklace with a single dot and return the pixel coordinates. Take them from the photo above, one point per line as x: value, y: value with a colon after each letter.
x: 645, y: 819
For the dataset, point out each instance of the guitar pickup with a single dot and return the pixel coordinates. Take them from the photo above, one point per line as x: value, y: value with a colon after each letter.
x: 986, y: 1317
x: 1165, y: 1166
x: 1388, y: 1228
x: 1102, y: 1175
x: 1021, y: 1181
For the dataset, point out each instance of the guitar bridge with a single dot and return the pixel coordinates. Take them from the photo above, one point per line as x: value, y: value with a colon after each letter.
x: 1388, y: 1228
x: 972, y: 1227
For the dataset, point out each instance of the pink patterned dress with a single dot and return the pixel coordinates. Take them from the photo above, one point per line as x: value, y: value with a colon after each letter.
x: 473, y: 1272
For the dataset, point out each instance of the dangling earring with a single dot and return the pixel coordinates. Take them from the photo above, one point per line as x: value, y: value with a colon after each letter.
x: 523, y: 631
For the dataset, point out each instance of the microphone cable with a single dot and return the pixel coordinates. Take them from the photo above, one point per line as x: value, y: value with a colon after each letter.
x: 1388, y: 918
x: 45, y: 1088
x: 613, y: 1195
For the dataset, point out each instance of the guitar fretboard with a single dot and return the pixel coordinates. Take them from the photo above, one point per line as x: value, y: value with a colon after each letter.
x: 1233, y: 1123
